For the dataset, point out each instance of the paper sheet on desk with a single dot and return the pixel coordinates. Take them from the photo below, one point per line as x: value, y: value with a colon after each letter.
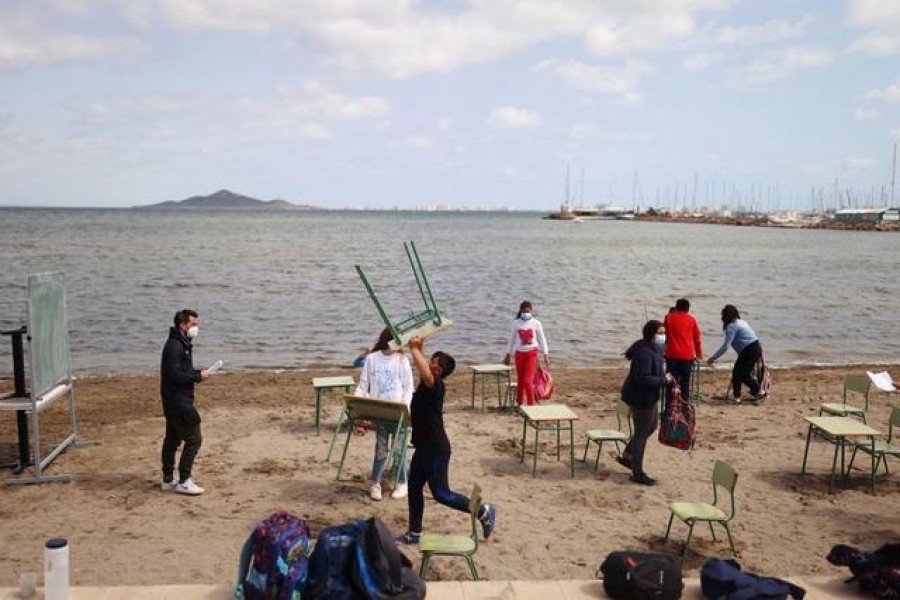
x: 882, y: 381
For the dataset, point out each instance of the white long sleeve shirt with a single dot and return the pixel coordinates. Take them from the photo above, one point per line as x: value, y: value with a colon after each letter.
x: 386, y: 376
x: 526, y: 336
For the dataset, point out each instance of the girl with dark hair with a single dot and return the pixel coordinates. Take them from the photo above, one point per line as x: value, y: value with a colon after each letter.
x: 386, y: 375
x: 525, y: 339
x: 641, y: 392
x: 740, y: 336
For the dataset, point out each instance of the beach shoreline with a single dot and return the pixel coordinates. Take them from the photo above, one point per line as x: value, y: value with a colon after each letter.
x: 261, y: 453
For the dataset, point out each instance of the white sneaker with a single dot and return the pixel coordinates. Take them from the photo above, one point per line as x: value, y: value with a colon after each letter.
x: 188, y: 488
x: 168, y: 486
x: 401, y: 491
x: 375, y: 491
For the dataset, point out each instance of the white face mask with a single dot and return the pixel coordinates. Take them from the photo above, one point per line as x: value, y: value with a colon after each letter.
x: 192, y: 332
x: 526, y: 316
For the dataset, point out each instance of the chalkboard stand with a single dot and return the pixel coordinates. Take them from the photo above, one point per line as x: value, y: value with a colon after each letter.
x: 19, y: 391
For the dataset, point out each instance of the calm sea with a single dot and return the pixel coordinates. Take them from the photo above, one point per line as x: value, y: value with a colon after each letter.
x: 278, y: 289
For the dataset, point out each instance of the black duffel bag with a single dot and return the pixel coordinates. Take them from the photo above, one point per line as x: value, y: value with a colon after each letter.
x: 641, y: 576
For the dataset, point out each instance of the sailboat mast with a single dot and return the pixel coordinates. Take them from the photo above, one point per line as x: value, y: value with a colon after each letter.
x: 893, y: 175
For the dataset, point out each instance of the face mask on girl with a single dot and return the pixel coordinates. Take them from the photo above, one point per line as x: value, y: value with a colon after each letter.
x: 526, y: 316
x: 660, y: 341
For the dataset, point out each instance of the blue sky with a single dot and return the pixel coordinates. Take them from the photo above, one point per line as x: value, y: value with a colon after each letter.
x: 468, y: 103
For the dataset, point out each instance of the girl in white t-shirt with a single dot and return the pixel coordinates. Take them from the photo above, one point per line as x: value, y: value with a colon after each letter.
x: 525, y: 340
x: 387, y: 375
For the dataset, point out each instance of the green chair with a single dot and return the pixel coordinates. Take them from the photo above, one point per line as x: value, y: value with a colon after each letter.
x: 432, y: 544
x: 616, y: 436
x: 853, y: 384
x: 724, y: 477
x: 882, y: 449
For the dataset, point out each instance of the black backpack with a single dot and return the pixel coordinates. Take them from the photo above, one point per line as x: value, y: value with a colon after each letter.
x: 724, y: 580
x: 641, y: 576
x: 878, y: 573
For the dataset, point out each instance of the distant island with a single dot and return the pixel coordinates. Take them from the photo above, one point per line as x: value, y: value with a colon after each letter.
x: 225, y: 199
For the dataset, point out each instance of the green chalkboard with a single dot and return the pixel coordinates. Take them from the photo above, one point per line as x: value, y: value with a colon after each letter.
x: 48, y: 331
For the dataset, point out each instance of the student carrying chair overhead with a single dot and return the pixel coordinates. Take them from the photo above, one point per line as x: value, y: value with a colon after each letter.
x: 431, y: 460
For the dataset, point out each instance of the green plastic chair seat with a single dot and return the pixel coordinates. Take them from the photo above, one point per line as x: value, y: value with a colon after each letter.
x: 842, y: 410
x: 606, y: 435
x: 446, y: 544
x: 699, y: 511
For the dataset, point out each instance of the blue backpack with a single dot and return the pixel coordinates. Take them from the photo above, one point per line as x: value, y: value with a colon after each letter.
x: 724, y: 580
x: 274, y: 560
x: 360, y: 561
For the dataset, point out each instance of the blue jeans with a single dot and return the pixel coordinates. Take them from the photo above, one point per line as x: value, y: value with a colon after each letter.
x: 431, y: 468
x: 381, y: 454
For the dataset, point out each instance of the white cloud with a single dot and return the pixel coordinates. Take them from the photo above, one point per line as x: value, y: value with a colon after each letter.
x: 769, y: 32
x: 875, y: 45
x: 889, y: 94
x: 620, y: 81
x: 511, y: 117
x: 882, y: 19
x: 895, y: 134
x: 641, y: 33
x: 581, y: 131
x: 702, y: 61
x: 445, y: 124
x: 310, y: 112
x: 419, y: 141
x: 783, y: 64
x: 866, y: 114
x: 860, y: 163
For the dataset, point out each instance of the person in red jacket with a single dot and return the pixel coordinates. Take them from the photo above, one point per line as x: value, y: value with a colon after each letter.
x: 683, y: 345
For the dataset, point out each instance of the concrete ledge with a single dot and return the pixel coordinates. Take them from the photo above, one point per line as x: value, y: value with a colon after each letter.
x: 817, y: 588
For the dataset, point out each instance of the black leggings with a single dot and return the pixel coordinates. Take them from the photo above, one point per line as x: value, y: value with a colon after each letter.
x: 646, y: 420
x: 743, y: 369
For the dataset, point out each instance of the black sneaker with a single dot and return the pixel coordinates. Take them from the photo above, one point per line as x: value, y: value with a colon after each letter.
x: 409, y: 538
x: 625, y: 462
x: 488, y: 520
x: 643, y: 479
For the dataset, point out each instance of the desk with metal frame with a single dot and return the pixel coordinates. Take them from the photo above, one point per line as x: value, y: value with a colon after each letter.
x: 836, y: 430
x: 497, y: 371
x: 321, y: 384
x: 548, y: 417
x: 381, y: 412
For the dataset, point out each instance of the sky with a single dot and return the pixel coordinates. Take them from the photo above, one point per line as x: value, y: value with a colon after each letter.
x: 774, y: 104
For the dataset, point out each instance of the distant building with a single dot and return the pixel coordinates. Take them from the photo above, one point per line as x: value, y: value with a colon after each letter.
x: 861, y: 215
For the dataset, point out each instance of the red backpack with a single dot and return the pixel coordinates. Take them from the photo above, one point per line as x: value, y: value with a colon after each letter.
x: 543, y: 384
x: 678, y: 422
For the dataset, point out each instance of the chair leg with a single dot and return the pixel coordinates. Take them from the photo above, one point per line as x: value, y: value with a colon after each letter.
x: 669, y: 527
x: 852, y: 457
x: 587, y: 443
x: 687, y: 542
x: 472, y: 568
x: 426, y: 558
x: 597, y: 460
x: 730, y: 540
x: 712, y: 531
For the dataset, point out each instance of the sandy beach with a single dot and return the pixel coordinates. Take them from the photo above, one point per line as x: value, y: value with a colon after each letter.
x: 261, y: 453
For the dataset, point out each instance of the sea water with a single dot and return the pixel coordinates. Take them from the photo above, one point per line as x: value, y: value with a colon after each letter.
x: 279, y: 289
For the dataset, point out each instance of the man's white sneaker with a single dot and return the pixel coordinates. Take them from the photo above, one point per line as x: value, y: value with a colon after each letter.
x: 401, y: 491
x: 375, y: 491
x: 188, y: 488
x: 168, y: 486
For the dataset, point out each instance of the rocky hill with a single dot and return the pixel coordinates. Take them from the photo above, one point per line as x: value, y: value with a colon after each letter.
x: 225, y: 199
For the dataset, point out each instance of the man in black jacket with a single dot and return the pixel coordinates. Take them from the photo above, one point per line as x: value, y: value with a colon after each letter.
x: 177, y: 379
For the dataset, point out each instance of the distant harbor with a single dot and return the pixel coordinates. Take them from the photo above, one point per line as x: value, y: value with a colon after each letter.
x: 852, y: 219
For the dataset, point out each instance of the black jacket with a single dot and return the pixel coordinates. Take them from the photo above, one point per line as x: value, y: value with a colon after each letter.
x: 177, y: 376
x: 645, y: 377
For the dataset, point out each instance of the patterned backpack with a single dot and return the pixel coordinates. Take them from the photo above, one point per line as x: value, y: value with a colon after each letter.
x: 274, y: 560
x: 678, y: 422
